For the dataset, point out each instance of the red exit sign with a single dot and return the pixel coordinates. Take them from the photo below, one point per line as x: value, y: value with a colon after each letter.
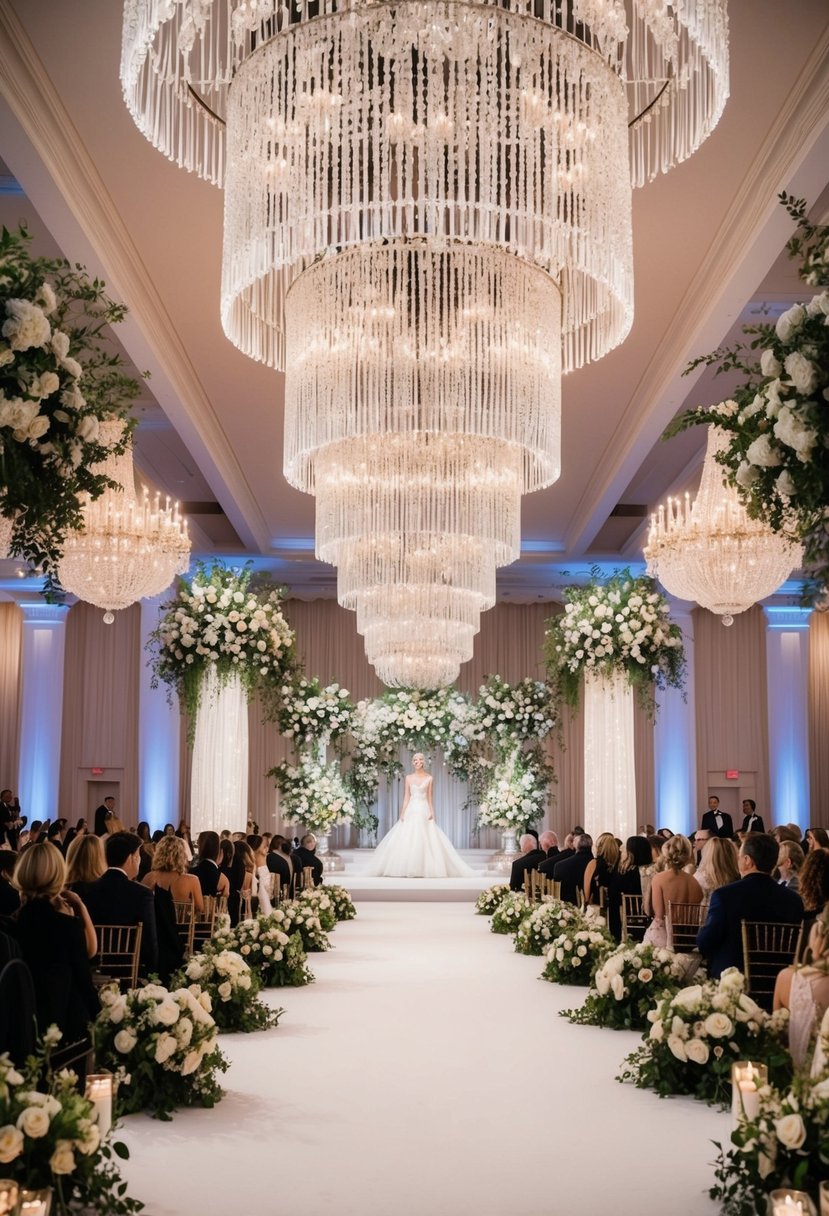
x: 97, y: 772
x: 732, y: 774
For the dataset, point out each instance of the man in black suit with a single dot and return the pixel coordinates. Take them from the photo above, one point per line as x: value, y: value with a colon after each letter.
x: 717, y: 822
x: 754, y: 896
x: 305, y: 854
x: 530, y: 858
x: 554, y: 856
x: 752, y: 822
x: 117, y: 899
x: 11, y: 821
x: 570, y: 871
x: 102, y: 813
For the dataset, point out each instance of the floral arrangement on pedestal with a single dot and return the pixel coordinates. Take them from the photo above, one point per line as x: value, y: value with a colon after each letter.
x: 233, y: 989
x: 572, y: 957
x: 167, y: 1042
x: 270, y: 947
x: 60, y: 377
x: 312, y: 715
x: 696, y: 1034
x: 510, y: 714
x: 786, y: 1145
x: 621, y: 624
x: 778, y: 451
x: 516, y: 794
x: 512, y: 909
x: 49, y: 1138
x: 223, y: 620
x: 626, y: 986
x: 489, y: 900
x: 549, y: 919
x: 341, y: 902
x: 316, y: 900
x: 314, y: 794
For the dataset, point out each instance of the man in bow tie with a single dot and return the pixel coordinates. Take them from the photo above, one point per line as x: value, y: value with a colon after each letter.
x: 752, y: 822
x: 717, y: 822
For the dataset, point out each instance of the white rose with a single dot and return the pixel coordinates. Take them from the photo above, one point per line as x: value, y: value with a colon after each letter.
x: 62, y: 1160
x: 747, y: 474
x: 688, y: 998
x: 88, y: 428
x: 26, y: 325
x: 225, y: 991
x: 60, y: 344
x: 791, y: 1131
x: 38, y: 427
x: 166, y: 1047
x: 719, y: 1026
x: 763, y: 453
x: 124, y: 1041
x: 167, y: 1013
x: 803, y: 373
x: 11, y: 1143
x: 790, y: 321
x: 617, y: 985
x: 33, y: 1122
x: 191, y: 1062
x: 677, y: 1047
x: 697, y: 1051
x: 769, y: 365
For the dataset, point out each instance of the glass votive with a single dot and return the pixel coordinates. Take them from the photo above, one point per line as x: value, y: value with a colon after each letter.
x: 824, y: 1199
x: 9, y: 1192
x: 35, y: 1203
x: 786, y: 1202
x: 99, y: 1091
x: 746, y: 1081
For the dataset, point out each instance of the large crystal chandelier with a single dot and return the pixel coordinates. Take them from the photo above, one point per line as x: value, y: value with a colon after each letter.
x: 711, y: 551
x: 130, y: 547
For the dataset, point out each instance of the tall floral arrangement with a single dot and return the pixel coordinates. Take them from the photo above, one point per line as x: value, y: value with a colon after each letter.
x: 60, y: 376
x: 314, y: 794
x: 517, y: 793
x: 511, y: 714
x: 622, y: 625
x: 776, y: 419
x: 221, y: 618
x: 309, y: 714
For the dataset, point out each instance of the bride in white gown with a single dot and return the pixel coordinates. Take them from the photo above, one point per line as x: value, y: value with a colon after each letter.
x: 416, y: 847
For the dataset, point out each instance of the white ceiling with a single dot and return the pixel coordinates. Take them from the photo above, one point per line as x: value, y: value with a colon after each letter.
x: 707, y: 245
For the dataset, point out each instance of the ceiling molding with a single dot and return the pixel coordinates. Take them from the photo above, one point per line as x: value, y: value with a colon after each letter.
x: 44, y: 120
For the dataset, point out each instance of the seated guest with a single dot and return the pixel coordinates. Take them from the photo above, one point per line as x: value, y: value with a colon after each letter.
x: 570, y: 871
x: 548, y: 841
x: 646, y: 829
x: 169, y: 872
x: 9, y: 895
x: 56, y: 940
x: 261, y: 874
x: 671, y: 885
x: 85, y: 863
x: 817, y: 838
x: 117, y: 899
x: 790, y: 861
x: 57, y: 834
x: 553, y: 858
x: 752, y: 822
x: 226, y: 857
x: 785, y: 831
x: 814, y: 885
x: 305, y: 855
x: 755, y: 897
x: 242, y: 870
x: 804, y: 991
x: 599, y: 869
x: 665, y: 833
x: 530, y: 859
x: 279, y: 862
x: 211, y: 880
x: 718, y: 865
x: 626, y: 879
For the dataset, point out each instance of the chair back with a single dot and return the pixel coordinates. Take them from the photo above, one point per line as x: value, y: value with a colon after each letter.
x: 119, y: 950
x: 276, y: 889
x: 246, y: 906
x: 768, y: 947
x: 635, y: 919
x: 205, y: 924
x: 535, y: 885
x: 683, y: 922
x: 18, y: 1022
x: 581, y: 902
x: 185, y: 922
x: 307, y: 882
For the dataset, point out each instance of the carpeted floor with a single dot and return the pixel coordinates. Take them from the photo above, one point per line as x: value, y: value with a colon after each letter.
x: 427, y: 1072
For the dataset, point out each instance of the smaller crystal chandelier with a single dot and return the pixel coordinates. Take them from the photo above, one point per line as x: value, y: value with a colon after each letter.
x: 130, y: 547
x: 711, y: 551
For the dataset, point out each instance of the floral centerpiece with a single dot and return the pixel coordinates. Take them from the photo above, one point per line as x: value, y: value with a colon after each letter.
x: 776, y: 422
x: 341, y: 902
x: 49, y: 1138
x: 696, y: 1034
x: 786, y: 1145
x: 626, y: 986
x: 619, y: 625
x: 546, y: 922
x: 59, y: 378
x: 510, y: 912
x: 517, y: 793
x: 317, y: 901
x: 270, y: 947
x: 221, y: 620
x: 167, y: 1042
x: 308, y: 713
x: 573, y: 956
x: 489, y: 900
x: 514, y: 713
x: 314, y: 794
x: 233, y: 989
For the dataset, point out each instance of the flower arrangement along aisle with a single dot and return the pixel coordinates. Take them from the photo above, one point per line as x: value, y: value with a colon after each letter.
x: 314, y: 794
x: 573, y: 956
x: 60, y: 376
x: 489, y: 900
x: 166, y: 1041
x: 778, y: 451
x: 270, y: 947
x: 511, y: 910
x: 341, y: 902
x: 233, y: 989
x: 546, y: 922
x: 49, y: 1138
x: 626, y: 986
x: 787, y: 1145
x: 696, y: 1034
x: 316, y: 900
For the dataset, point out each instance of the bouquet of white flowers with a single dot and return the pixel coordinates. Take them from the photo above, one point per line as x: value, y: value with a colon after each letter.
x: 510, y: 912
x: 626, y: 986
x: 233, y: 990
x: 318, y: 901
x: 546, y: 922
x: 488, y: 901
x: 49, y: 1137
x: 696, y: 1034
x: 513, y: 713
x: 314, y: 794
x: 309, y: 713
x: 167, y: 1041
x: 341, y: 902
x: 574, y: 955
x: 516, y: 795
x: 270, y: 947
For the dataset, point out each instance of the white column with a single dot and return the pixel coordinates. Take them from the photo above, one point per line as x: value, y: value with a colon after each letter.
x: 159, y: 730
x: 675, y: 743
x: 41, y: 709
x: 787, y: 672
x: 609, y: 770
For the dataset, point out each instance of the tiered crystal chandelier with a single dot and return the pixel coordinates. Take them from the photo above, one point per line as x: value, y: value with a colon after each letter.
x: 711, y: 551
x: 130, y: 547
x: 427, y: 217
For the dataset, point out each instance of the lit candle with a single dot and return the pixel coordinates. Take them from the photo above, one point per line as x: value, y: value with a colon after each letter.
x: 8, y: 1196
x: 746, y: 1080
x: 786, y: 1202
x: 35, y: 1203
x: 824, y: 1199
x: 99, y: 1093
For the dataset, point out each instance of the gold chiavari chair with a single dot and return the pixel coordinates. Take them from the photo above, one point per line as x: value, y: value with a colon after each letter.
x: 205, y: 924
x: 768, y: 947
x: 185, y: 923
x: 682, y: 923
x: 119, y: 951
x: 307, y: 879
x: 635, y: 919
x: 534, y: 886
x: 276, y: 889
x: 246, y: 906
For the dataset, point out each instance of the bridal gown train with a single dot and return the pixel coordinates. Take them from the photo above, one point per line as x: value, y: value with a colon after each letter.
x: 416, y: 847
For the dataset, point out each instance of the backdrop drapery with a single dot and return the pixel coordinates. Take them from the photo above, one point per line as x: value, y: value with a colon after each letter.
x: 11, y: 637
x: 819, y: 717
x: 609, y: 764
x: 219, y: 783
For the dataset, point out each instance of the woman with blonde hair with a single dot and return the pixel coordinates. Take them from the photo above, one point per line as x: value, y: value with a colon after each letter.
x: 599, y: 870
x: 804, y: 991
x: 169, y: 871
x: 671, y: 885
x: 85, y: 863
x: 718, y: 864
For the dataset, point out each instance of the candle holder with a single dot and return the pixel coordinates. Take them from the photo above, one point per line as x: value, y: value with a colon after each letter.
x: 824, y: 1198
x: 786, y: 1202
x: 35, y: 1203
x: 746, y: 1080
x: 100, y: 1088
x: 9, y: 1192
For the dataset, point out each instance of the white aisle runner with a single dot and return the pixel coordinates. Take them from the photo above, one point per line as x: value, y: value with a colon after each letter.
x: 426, y: 1073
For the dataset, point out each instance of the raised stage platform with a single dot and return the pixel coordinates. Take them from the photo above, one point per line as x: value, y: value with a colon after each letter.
x: 432, y: 890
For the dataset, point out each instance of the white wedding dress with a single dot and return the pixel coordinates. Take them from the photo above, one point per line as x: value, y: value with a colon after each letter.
x: 416, y: 847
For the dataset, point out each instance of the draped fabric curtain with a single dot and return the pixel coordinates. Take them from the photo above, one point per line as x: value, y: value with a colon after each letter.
x: 100, y: 712
x: 610, y: 771
x: 643, y: 763
x: 219, y: 786
x: 731, y: 709
x: 819, y: 718
x: 11, y: 640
